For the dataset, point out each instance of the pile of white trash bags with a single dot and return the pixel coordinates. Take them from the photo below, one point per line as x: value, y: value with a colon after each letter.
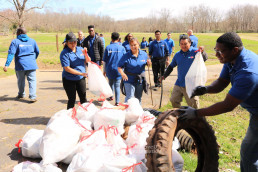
x: 89, y: 139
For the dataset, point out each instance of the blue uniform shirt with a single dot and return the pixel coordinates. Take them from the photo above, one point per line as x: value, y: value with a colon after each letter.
x: 194, y: 41
x: 91, y: 50
x: 133, y: 64
x: 73, y: 60
x: 170, y: 44
x: 183, y: 61
x: 25, y: 51
x: 244, y: 79
x: 158, y: 49
x: 112, y: 55
x: 126, y: 45
x: 144, y: 44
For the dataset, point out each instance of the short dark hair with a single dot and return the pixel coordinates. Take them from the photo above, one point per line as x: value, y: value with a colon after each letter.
x: 21, y: 30
x: 150, y: 39
x: 115, y: 36
x: 91, y: 26
x: 184, y: 36
x: 101, y: 34
x: 168, y: 33
x: 230, y: 40
x: 157, y: 31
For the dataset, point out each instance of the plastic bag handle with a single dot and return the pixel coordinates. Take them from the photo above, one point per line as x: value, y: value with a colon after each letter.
x: 95, y: 64
x: 138, y: 128
x: 114, y: 129
x: 85, y: 108
x: 127, y: 148
x: 132, y: 166
x: 146, y: 118
x: 102, y: 97
x: 18, y: 145
x: 76, y: 119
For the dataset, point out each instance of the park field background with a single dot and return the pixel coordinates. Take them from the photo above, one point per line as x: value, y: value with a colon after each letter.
x: 230, y: 128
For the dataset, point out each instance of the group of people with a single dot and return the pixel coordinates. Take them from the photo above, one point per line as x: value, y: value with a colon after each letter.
x: 127, y: 63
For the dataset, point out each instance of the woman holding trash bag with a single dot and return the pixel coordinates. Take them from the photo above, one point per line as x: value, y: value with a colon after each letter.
x: 133, y: 75
x: 73, y: 61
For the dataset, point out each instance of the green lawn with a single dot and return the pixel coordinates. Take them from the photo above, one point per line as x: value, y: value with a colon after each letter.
x: 49, y: 54
x: 230, y: 129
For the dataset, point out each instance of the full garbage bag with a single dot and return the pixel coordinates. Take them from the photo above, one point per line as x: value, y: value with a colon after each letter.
x: 196, y: 75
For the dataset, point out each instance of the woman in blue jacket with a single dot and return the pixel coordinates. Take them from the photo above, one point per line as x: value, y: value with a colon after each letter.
x: 126, y: 43
x: 133, y: 63
x: 144, y: 44
x: 73, y: 60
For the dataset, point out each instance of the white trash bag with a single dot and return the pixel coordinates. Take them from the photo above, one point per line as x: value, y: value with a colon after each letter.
x: 110, y: 117
x: 146, y: 118
x: 196, y: 75
x: 28, y: 166
x: 97, y: 83
x: 59, y: 138
x: 86, y: 111
x: 30, y: 143
x: 134, y: 111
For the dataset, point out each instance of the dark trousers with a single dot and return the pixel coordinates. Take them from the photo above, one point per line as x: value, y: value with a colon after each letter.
x: 71, y: 87
x: 158, y: 68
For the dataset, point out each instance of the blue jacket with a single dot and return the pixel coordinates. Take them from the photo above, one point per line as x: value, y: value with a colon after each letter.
x: 112, y: 55
x: 144, y: 44
x: 25, y: 51
x: 74, y: 60
x: 126, y: 45
x: 170, y: 44
x: 158, y: 49
x: 194, y: 41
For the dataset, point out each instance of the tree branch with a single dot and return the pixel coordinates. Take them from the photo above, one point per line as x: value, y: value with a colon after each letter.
x: 37, y: 6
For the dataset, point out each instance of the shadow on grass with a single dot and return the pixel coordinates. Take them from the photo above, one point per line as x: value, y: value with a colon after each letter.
x: 27, y: 121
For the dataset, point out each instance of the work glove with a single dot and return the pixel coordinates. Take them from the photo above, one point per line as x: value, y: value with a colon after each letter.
x: 198, y: 91
x: 188, y: 113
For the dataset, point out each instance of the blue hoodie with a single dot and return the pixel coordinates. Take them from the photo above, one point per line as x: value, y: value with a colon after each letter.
x: 25, y: 51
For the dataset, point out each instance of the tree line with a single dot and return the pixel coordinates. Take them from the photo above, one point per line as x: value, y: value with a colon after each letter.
x: 202, y: 19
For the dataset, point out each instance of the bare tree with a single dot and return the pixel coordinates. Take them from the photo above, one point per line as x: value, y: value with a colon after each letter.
x: 22, y: 7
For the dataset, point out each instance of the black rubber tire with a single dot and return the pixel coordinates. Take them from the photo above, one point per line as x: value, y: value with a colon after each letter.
x: 185, y: 140
x: 160, y: 137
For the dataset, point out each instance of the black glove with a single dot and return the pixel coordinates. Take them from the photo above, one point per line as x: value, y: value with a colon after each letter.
x: 189, y: 113
x: 198, y: 91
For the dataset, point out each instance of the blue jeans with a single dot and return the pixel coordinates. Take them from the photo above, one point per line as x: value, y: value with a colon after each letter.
x: 115, y: 85
x: 249, y: 146
x: 133, y: 90
x: 31, y: 77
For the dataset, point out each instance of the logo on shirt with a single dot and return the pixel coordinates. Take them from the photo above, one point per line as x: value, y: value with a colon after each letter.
x: 25, y: 45
x: 113, y: 51
x: 143, y: 61
x: 191, y: 57
x: 81, y: 54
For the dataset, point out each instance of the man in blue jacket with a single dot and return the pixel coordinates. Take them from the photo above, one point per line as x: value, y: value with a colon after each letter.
x: 194, y: 39
x: 159, y: 54
x: 171, y: 44
x: 25, y: 50
x: 240, y: 69
x: 112, y: 55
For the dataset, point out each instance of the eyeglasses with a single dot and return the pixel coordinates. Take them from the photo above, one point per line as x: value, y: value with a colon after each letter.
x: 91, y: 30
x: 219, y: 52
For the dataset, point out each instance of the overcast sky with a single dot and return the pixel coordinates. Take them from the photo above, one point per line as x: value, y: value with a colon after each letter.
x: 129, y: 9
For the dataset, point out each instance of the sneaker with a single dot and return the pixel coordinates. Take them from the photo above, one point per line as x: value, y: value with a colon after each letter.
x: 110, y: 99
x: 156, y: 85
x: 19, y: 97
x: 33, y: 100
x: 117, y: 104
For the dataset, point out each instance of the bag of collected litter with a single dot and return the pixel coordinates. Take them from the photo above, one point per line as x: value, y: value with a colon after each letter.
x: 89, y: 139
x: 30, y: 143
x: 118, y: 164
x: 86, y: 111
x: 146, y: 118
x: 97, y: 83
x: 28, y: 166
x: 134, y: 111
x: 177, y: 161
x: 59, y: 138
x: 137, y: 135
x: 110, y: 117
x: 196, y: 75
x: 63, y: 112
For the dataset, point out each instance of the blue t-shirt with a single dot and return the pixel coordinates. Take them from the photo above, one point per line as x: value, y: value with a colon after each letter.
x: 244, y: 79
x: 158, y: 49
x: 112, y: 55
x: 183, y: 61
x: 25, y: 51
x: 194, y: 41
x: 133, y: 64
x: 144, y: 44
x: 170, y: 44
x: 73, y: 60
x: 91, y: 50
x: 126, y: 45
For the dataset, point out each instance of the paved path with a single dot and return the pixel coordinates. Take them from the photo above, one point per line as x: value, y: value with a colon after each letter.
x: 17, y: 117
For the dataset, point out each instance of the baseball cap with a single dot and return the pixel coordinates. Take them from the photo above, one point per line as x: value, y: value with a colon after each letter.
x: 70, y: 37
